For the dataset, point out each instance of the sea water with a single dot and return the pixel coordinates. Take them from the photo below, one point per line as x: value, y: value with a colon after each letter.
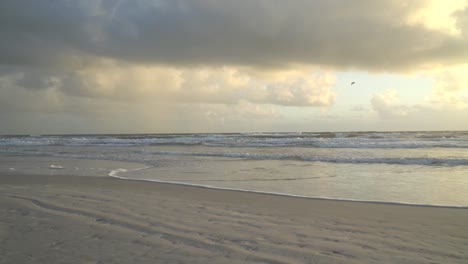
x: 404, y: 167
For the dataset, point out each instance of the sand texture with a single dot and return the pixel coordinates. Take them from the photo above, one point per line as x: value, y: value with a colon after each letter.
x: 72, y: 219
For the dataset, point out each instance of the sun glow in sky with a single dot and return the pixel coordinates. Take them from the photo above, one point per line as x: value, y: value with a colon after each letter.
x: 152, y: 66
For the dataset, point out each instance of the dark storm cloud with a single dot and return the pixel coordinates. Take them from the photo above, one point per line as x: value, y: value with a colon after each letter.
x: 39, y: 32
x: 365, y: 34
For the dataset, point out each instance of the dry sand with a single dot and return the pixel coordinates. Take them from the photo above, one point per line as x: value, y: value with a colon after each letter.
x: 72, y: 219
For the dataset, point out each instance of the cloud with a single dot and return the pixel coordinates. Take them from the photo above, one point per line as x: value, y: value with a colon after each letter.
x: 387, y: 104
x: 439, y: 15
x: 52, y: 111
x: 192, y: 63
x: 390, y: 35
x: 111, y: 80
x: 451, y: 88
x: 359, y: 108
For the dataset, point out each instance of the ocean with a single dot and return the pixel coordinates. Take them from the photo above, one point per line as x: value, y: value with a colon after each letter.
x: 424, y: 168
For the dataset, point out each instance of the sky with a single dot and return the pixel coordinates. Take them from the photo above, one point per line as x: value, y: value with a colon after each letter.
x: 186, y: 66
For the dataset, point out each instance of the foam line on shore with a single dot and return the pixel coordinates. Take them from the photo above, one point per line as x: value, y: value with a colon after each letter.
x: 114, y: 174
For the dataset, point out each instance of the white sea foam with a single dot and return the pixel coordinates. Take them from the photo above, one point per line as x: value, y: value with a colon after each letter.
x: 56, y: 167
x: 114, y: 173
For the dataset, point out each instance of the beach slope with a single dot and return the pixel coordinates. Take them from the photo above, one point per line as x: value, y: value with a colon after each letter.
x: 76, y: 219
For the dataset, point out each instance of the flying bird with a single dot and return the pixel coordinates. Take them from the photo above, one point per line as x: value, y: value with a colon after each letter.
x: 353, y: 83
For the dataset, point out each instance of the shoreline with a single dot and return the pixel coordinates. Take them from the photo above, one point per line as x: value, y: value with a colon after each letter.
x: 114, y: 168
x: 111, y: 175
x: 286, y: 194
x: 69, y: 219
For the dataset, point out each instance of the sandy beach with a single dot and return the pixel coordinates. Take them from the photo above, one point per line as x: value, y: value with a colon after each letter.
x: 76, y: 219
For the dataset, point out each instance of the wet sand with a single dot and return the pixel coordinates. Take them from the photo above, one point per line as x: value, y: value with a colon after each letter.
x: 75, y: 219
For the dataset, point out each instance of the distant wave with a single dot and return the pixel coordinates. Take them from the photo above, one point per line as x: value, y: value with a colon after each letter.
x: 360, y: 160
x: 146, y: 157
x: 373, y: 140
